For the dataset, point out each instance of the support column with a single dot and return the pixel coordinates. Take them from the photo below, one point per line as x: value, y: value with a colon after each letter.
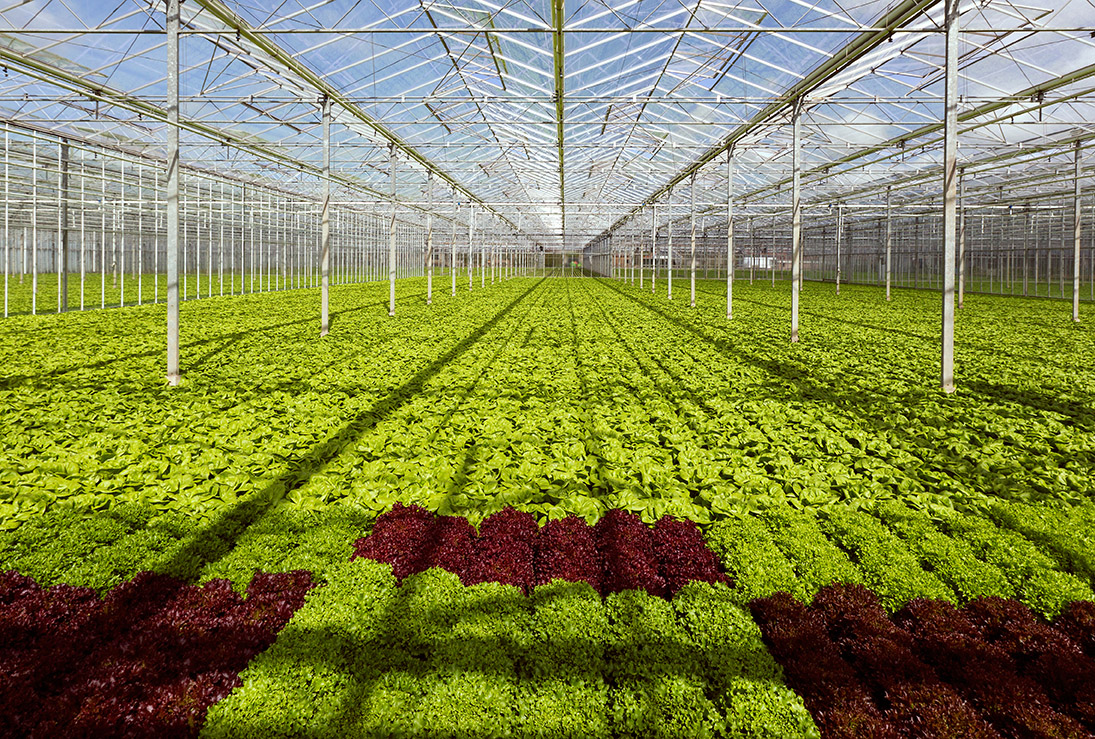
x: 429, y: 239
x: 1076, y: 228
x: 950, y: 191
x: 325, y: 225
x: 654, y: 244
x: 452, y: 245
x: 729, y: 235
x: 962, y: 241
x: 796, y: 216
x: 62, y: 228
x: 7, y: 219
x: 172, y: 224
x: 391, y: 235
x: 889, y: 237
x: 669, y: 250
x: 34, y: 227
x: 692, y: 257
x: 471, y: 249
x: 839, y: 236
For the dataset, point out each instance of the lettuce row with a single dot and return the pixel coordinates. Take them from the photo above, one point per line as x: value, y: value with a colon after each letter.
x: 147, y: 659
x: 991, y: 669
x: 951, y: 560
x: 367, y: 657
x: 97, y: 550
x: 1038, y: 581
x: 1065, y: 533
x: 750, y: 557
x: 817, y: 561
x: 890, y: 569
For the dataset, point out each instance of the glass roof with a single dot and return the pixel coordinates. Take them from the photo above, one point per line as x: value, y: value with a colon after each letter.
x: 565, y: 118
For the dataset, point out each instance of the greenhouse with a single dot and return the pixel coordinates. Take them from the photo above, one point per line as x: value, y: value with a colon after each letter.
x: 576, y: 368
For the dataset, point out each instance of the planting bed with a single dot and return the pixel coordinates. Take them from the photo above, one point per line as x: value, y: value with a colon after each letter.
x: 612, y: 491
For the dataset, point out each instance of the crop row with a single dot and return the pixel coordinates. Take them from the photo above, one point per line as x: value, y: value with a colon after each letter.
x: 898, y: 551
x: 147, y: 659
x: 990, y: 669
x: 902, y: 554
x: 619, y: 553
x: 624, y: 401
x: 370, y: 657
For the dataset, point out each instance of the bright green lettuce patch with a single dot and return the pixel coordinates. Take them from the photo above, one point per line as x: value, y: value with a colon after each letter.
x: 556, y: 396
x: 367, y: 658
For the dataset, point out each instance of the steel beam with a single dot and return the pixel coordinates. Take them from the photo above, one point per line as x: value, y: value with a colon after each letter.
x: 839, y: 236
x: 889, y: 237
x: 558, y: 17
x: 62, y: 227
x: 962, y: 240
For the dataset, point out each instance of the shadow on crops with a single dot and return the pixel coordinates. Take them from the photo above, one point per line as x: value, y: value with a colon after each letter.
x: 824, y: 315
x: 1078, y: 414
x: 221, y: 342
x: 594, y: 448
x: 673, y: 391
x: 878, y: 411
x: 213, y: 541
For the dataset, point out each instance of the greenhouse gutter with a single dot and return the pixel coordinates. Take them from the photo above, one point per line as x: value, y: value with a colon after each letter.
x: 558, y: 16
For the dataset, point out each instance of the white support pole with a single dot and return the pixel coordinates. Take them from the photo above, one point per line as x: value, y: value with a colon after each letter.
x: 220, y: 243
x: 631, y: 257
x: 950, y: 191
x: 729, y: 235
x: 172, y: 224
x: 120, y: 230
x: 692, y: 256
x: 653, y: 246
x: 962, y: 240
x: 391, y: 236
x: 471, y: 249
x: 209, y: 244
x: 482, y: 262
x: 429, y: 239
x: 34, y: 227
x: 839, y: 236
x: 752, y: 250
x: 1076, y: 231
x: 7, y: 217
x: 140, y: 235
x: 325, y: 227
x: 889, y: 237
x: 102, y: 231
x: 669, y: 250
x: 62, y: 227
x: 452, y: 244
x: 796, y: 215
